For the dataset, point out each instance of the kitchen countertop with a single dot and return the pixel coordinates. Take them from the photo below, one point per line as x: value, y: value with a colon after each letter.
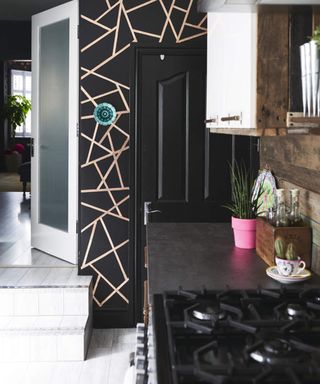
x: 194, y: 255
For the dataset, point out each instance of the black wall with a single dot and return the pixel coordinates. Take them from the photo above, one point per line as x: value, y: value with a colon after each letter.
x: 109, y: 33
x: 15, y: 40
x: 15, y: 44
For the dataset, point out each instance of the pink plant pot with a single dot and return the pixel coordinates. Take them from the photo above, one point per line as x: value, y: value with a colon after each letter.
x: 244, y: 231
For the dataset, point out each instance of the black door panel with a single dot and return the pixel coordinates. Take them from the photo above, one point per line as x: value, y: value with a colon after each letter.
x: 173, y: 137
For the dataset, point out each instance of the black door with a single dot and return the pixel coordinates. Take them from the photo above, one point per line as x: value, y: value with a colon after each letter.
x: 171, y: 111
x: 181, y: 169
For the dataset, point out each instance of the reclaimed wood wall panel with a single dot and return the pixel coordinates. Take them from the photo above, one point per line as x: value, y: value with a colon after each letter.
x: 295, y: 161
x: 316, y: 16
x: 272, y: 67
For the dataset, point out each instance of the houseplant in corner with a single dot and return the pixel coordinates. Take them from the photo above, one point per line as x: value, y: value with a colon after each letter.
x: 244, y: 206
x: 15, y: 110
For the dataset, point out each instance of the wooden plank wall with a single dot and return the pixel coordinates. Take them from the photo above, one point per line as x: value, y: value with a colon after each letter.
x: 295, y: 161
x: 272, y: 67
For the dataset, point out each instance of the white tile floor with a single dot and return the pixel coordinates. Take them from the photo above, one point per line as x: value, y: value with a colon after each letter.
x: 15, y: 235
x: 106, y: 363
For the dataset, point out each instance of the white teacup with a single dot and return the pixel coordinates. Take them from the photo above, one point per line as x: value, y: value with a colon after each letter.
x: 290, y: 267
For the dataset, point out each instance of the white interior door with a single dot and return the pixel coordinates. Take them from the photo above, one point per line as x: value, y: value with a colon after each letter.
x: 54, y: 165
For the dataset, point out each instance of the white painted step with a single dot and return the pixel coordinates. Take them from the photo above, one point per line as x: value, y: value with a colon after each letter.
x: 42, y: 278
x: 44, y: 301
x: 45, y: 314
x: 44, y: 292
x: 44, y: 338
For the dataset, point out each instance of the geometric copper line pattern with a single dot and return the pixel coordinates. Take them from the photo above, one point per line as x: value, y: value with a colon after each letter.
x: 92, y: 223
x: 106, y: 143
x: 113, y: 248
x: 105, y: 78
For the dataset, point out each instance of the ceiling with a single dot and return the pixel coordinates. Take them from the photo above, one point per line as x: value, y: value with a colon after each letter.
x: 24, y: 9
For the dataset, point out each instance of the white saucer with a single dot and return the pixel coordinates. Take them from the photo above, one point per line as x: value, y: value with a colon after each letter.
x: 301, y: 276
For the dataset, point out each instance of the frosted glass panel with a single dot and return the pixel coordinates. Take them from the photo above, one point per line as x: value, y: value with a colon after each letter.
x: 53, y: 125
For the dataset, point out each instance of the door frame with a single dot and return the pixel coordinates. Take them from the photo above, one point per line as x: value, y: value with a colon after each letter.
x: 48, y: 17
x: 135, y: 166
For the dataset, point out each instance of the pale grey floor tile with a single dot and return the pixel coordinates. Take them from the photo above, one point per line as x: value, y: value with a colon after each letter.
x: 2, y: 271
x: 13, y: 373
x: 11, y: 276
x: 106, y: 363
x: 67, y: 373
x: 124, y: 335
x: 34, y: 277
x: 12, y: 255
x: 43, y: 259
x: 15, y: 235
x: 119, y: 362
x: 102, y: 338
x: 96, y: 368
x: 39, y: 373
x: 58, y: 276
x: 125, y: 347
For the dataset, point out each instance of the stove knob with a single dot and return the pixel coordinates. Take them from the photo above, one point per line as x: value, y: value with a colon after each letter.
x: 141, y: 350
x: 141, y: 378
x: 141, y: 328
x: 141, y: 363
x: 141, y: 339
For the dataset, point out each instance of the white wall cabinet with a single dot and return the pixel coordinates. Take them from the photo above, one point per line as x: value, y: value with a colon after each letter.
x: 232, y: 70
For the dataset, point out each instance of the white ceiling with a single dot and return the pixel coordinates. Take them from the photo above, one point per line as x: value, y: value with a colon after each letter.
x: 24, y: 9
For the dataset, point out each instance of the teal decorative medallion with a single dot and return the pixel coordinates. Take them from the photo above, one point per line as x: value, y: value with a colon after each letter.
x: 104, y: 113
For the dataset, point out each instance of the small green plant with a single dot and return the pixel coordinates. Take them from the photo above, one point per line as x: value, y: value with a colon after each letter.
x: 279, y: 246
x: 316, y: 36
x: 291, y: 253
x: 285, y: 252
x: 244, y: 205
x: 15, y: 110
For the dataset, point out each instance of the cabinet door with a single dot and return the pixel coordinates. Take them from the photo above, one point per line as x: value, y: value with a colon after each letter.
x: 232, y: 68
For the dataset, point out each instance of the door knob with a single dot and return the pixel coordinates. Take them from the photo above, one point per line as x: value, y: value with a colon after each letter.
x: 147, y: 211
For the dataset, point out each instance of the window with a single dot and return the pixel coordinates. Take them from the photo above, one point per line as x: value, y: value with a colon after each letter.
x: 21, y: 85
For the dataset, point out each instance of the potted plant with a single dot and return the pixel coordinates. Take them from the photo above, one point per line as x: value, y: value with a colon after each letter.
x: 244, y: 206
x: 15, y: 110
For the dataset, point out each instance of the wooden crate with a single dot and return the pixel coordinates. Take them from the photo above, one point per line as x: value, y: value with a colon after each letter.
x: 266, y: 235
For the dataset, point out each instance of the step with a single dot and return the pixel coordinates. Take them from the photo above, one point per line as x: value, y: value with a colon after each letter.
x: 17, y: 277
x: 45, y: 314
x: 44, y: 338
x: 44, y: 292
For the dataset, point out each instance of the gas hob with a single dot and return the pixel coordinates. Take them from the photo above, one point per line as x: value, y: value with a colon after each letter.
x: 238, y: 336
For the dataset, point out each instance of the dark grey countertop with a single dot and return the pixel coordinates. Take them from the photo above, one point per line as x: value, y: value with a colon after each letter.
x: 193, y: 255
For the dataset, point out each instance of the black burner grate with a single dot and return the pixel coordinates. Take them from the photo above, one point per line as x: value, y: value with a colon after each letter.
x: 244, y: 336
